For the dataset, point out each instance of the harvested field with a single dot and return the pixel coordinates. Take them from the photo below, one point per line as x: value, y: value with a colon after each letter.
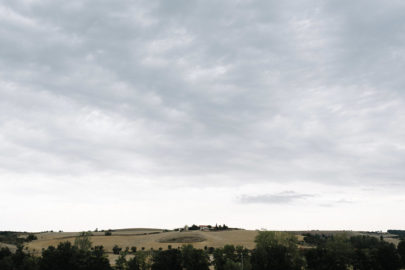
x: 151, y: 239
x: 148, y: 239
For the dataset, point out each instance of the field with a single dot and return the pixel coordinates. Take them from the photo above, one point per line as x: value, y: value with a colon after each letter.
x: 157, y: 238
x: 151, y: 238
x: 148, y: 239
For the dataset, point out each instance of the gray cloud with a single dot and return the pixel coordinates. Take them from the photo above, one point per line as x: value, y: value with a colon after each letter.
x: 285, y: 197
x: 236, y: 89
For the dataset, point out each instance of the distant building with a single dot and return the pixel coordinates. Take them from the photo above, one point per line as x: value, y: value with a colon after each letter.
x: 204, y: 228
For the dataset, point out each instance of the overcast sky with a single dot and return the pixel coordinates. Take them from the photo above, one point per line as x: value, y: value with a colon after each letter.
x: 258, y: 114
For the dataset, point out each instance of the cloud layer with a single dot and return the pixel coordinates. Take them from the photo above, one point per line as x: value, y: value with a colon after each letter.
x: 167, y: 95
x: 285, y: 197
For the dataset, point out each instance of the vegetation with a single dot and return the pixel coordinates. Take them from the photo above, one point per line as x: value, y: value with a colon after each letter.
x: 31, y: 237
x: 64, y: 257
x: 82, y: 241
x: 211, y: 228
x: 116, y: 249
x: 274, y: 251
x: 358, y: 253
x: 400, y: 233
x: 14, y: 238
x: 401, y: 252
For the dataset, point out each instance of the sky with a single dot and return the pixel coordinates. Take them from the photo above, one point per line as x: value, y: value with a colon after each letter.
x: 278, y: 115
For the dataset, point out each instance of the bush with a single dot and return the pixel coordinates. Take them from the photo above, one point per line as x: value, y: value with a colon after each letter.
x: 401, y: 252
x: 194, y: 228
x: 31, y: 237
x: 116, y: 249
x: 66, y: 256
x: 168, y: 259
x: 82, y: 241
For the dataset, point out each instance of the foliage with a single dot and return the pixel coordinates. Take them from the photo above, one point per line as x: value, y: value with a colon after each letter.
x: 67, y: 257
x: 194, y: 227
x: 31, y: 237
x: 400, y: 233
x: 116, y: 249
x: 316, y: 239
x: 231, y: 265
x: 82, y: 241
x: 17, y: 260
x: 167, y: 260
x: 401, y: 252
x: 358, y: 253
x: 276, y: 250
x: 14, y: 238
x: 142, y: 259
x: 121, y: 262
x: 194, y: 259
x: 230, y: 257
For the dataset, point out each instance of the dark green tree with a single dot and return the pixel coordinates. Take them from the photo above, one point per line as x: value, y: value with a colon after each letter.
x: 68, y: 257
x: 219, y: 259
x: 116, y: 249
x: 167, y: 260
x: 401, y: 252
x: 276, y: 251
x: 386, y: 257
x: 194, y: 259
x: 133, y: 264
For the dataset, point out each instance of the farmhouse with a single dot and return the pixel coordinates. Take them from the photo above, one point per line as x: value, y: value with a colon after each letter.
x: 204, y: 228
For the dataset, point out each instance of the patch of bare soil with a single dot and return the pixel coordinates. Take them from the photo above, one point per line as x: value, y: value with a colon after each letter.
x: 190, y: 238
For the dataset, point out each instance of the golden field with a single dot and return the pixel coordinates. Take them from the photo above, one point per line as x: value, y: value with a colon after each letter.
x: 148, y: 239
x: 151, y: 238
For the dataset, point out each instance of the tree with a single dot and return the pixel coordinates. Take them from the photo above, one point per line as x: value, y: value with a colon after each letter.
x: 387, y: 257
x: 219, y: 259
x: 230, y: 253
x: 194, y: 228
x: 401, y: 252
x: 67, y: 257
x: 167, y: 260
x: 276, y: 250
x: 121, y: 262
x: 194, y: 259
x: 116, y: 249
x: 336, y: 253
x: 142, y: 259
x: 31, y: 237
x: 133, y: 264
x: 18, y: 260
x: 98, y: 260
x: 231, y: 265
x: 242, y: 256
x: 82, y: 241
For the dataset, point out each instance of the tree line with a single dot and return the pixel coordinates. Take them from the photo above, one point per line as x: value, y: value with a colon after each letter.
x: 273, y: 251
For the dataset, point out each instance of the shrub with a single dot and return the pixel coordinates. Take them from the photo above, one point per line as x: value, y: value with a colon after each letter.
x: 31, y: 237
x: 82, y: 241
x: 116, y: 249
